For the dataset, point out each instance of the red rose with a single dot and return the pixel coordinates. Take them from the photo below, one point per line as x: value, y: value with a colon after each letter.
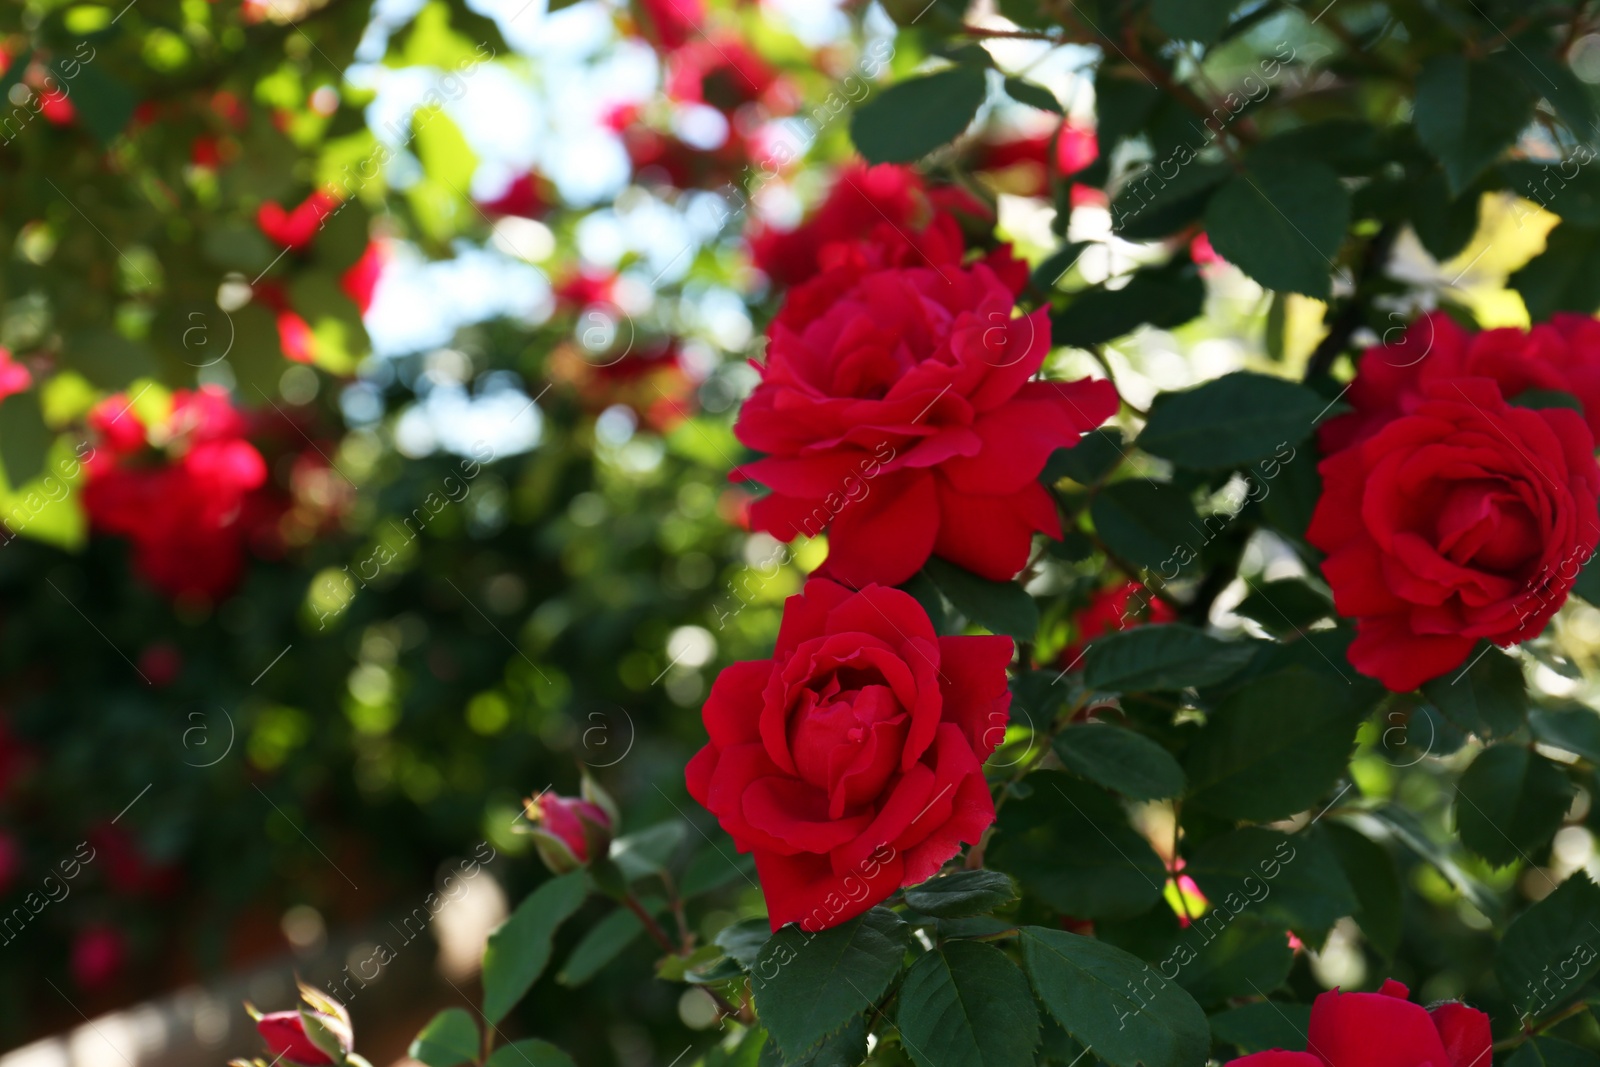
x: 878, y: 207
x: 1466, y: 518
x: 565, y: 828
x: 296, y: 229
x: 1028, y: 163
x: 1116, y: 608
x: 1561, y: 356
x: 285, y: 1035
x: 670, y: 23
x: 722, y: 72
x: 188, y: 518
x: 897, y: 412
x: 850, y: 763
x: 1384, y: 1029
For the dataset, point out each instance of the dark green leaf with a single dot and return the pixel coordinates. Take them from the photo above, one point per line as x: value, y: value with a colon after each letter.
x: 1410, y: 832
x: 1192, y: 20
x: 962, y: 893
x: 1570, y: 189
x: 1230, y: 421
x: 1372, y: 873
x: 1148, y: 524
x: 808, y: 985
x: 1552, y: 1052
x: 1262, y: 1026
x: 647, y: 852
x: 1247, y: 958
x: 603, y: 943
x: 519, y: 949
x: 1274, y: 747
x: 1000, y: 607
x: 1296, y: 880
x: 1558, y: 938
x: 1468, y: 111
x: 743, y: 940
x: 1509, y: 802
x: 843, y: 1049
x: 1444, y: 222
x: 1543, y: 399
x: 1488, y: 698
x: 1069, y: 844
x: 1095, y: 455
x: 910, y: 119
x: 1161, y: 297
x: 1282, y: 223
x: 1576, y: 729
x: 714, y: 868
x: 1121, y: 760
x: 24, y: 438
x: 1160, y: 200
x: 1114, y: 1002
x: 529, y: 1052
x: 1565, y: 276
x: 1168, y: 656
x: 967, y: 1005
x: 1026, y: 92
x: 1546, y: 76
x: 111, y: 361
x: 1285, y: 606
x: 1123, y: 100
x: 450, y: 1038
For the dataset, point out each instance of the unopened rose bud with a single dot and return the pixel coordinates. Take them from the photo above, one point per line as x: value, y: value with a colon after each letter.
x: 316, y: 1035
x: 285, y: 1035
x: 567, y: 831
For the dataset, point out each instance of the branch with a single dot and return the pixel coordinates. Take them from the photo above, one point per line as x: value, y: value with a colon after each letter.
x: 1349, y: 318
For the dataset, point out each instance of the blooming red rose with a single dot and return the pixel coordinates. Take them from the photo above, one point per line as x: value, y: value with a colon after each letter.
x: 1561, y: 356
x: 897, y: 412
x: 1384, y: 1029
x: 1464, y: 518
x: 850, y: 763
x: 879, y: 207
x: 1116, y: 608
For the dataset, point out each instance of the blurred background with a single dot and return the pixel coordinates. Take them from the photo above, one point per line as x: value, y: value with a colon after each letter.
x: 368, y: 374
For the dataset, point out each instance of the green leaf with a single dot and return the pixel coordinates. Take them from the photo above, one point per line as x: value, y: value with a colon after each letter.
x: 807, y: 986
x: 1230, y: 421
x: 450, y: 1038
x: 519, y: 949
x: 1285, y: 606
x: 1548, y: 77
x: 1070, y: 845
x: 1000, y: 607
x: 1262, y: 1026
x: 1192, y: 20
x: 529, y: 1052
x: 24, y: 438
x: 1121, y: 760
x: 1509, y: 803
x: 967, y: 1005
x: 1409, y: 831
x: 1552, y: 1052
x: 1489, y: 698
x: 1167, y: 656
x: 1469, y: 111
x: 1444, y: 223
x: 1274, y: 747
x: 743, y: 940
x: 1296, y: 880
x: 1575, y: 196
x: 1575, y: 729
x: 1148, y: 524
x: 962, y: 893
x: 111, y: 361
x: 605, y: 941
x: 1247, y: 958
x: 1556, y: 937
x: 746, y: 1051
x: 1037, y: 96
x: 103, y: 103
x: 1096, y: 454
x: 713, y: 869
x: 1282, y: 222
x: 1162, y: 297
x: 910, y: 119
x: 1373, y: 874
x: 647, y: 852
x: 1150, y: 205
x: 848, y: 1046
x: 1565, y: 276
x: 1113, y: 1002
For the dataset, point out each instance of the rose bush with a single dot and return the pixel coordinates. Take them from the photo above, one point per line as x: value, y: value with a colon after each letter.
x: 1385, y: 1029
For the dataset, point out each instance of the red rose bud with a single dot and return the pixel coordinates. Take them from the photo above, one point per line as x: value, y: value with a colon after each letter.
x: 568, y: 831
x: 315, y: 1035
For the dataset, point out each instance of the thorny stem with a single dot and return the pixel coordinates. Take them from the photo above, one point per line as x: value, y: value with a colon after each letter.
x: 1538, y: 1028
